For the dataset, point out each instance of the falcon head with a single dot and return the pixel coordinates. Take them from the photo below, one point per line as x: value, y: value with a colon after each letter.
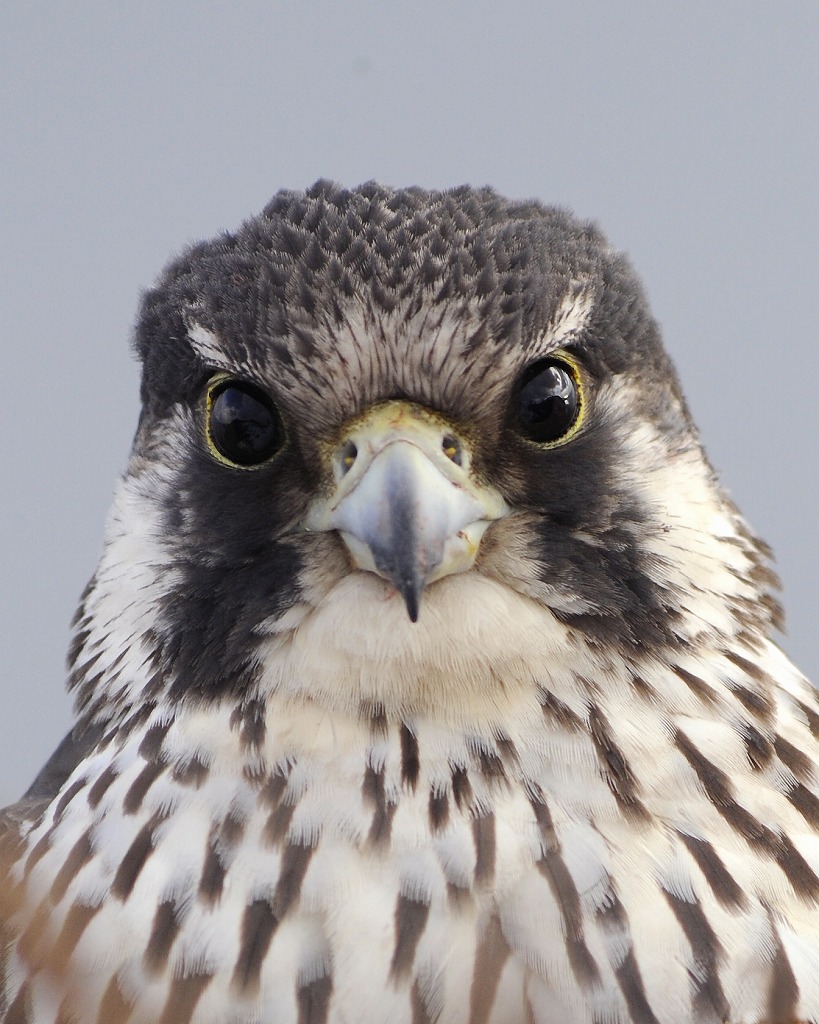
x: 410, y: 451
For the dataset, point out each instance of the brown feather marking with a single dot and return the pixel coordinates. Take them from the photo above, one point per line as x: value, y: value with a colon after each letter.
x: 558, y: 713
x: 295, y: 861
x: 40, y: 849
x: 410, y: 920
x: 410, y: 762
x: 418, y: 1005
x: 723, y: 884
x: 20, y: 1009
x: 140, y: 786
x: 778, y: 847
x: 758, y: 748
x: 806, y: 802
x: 617, y: 771
x: 438, y: 810
x: 114, y: 1008
x: 66, y: 798
x: 708, y: 1000
x: 272, y: 791
x: 613, y: 920
x: 794, y: 758
x: 461, y: 787
x: 258, y: 927
x: 191, y: 773
x: 151, y: 745
x: 182, y: 998
x: 811, y: 717
x: 783, y: 994
x: 374, y: 794
x: 248, y: 719
x: 483, y: 836
x: 554, y: 870
x: 76, y: 921
x: 313, y: 1001
x: 31, y: 941
x: 697, y: 686
x: 212, y: 878
x: 81, y: 853
x: 100, y: 786
x: 164, y: 930
x: 277, y: 824
x: 134, y: 860
x: 490, y: 958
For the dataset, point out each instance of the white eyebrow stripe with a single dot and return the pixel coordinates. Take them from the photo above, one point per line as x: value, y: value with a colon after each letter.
x: 207, y: 346
x: 570, y: 317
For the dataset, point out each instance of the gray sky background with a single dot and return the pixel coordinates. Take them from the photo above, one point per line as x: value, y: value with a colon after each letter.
x: 690, y: 131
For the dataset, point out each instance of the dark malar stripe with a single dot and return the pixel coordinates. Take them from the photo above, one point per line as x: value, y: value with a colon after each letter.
x: 708, y: 999
x: 313, y: 1001
x: 182, y: 998
x: 410, y: 920
x: 163, y: 933
x: 723, y: 884
x: 410, y: 763
x: 490, y: 959
x: 258, y: 926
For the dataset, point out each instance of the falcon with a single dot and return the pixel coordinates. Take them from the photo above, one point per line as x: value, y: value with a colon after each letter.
x: 427, y: 675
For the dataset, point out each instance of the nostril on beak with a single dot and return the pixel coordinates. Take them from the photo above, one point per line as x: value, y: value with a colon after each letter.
x: 347, y: 457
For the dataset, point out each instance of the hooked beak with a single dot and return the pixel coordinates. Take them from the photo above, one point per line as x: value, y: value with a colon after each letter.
x: 404, y: 500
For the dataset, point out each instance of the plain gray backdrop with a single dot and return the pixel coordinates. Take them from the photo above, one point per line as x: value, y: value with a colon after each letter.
x: 689, y: 131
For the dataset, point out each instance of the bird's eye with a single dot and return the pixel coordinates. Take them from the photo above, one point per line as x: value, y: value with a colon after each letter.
x: 548, y: 406
x: 243, y: 426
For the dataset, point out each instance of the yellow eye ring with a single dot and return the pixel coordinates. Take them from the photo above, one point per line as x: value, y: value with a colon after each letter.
x: 243, y: 428
x: 549, y: 405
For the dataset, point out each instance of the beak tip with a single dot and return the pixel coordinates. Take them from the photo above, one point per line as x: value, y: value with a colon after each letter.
x: 412, y: 599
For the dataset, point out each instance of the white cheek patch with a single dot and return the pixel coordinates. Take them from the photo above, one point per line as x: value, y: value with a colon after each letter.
x: 696, y: 537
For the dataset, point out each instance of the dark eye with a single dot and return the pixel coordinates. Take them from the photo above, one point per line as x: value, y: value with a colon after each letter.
x: 548, y: 404
x: 243, y: 425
